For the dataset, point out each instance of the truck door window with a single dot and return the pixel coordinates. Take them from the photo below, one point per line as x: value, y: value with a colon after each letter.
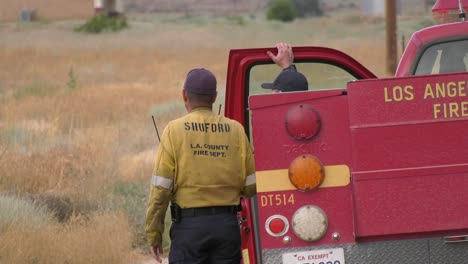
x: 320, y: 76
x: 444, y: 58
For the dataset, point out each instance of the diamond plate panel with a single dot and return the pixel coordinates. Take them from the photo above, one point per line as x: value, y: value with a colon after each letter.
x: 416, y: 251
x: 450, y: 253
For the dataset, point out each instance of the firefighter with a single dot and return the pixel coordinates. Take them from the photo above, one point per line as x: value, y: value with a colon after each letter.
x: 204, y: 165
x: 289, y: 79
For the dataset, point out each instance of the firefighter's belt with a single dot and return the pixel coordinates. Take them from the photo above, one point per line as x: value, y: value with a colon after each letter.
x: 213, y: 210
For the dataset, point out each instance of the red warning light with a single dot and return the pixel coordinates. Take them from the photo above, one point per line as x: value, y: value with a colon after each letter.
x: 276, y: 225
x: 303, y: 122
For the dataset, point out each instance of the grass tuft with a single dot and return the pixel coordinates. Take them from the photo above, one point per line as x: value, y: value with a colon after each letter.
x: 22, y: 213
x: 72, y: 82
x: 103, y: 23
x: 35, y: 89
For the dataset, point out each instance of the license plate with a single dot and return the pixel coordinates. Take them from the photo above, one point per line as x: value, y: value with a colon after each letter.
x: 321, y: 256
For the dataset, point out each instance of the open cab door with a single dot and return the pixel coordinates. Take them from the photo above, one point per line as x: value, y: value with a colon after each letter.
x: 328, y: 71
x: 324, y: 68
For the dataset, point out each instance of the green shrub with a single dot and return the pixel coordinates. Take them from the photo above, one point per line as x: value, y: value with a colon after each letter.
x: 100, y: 23
x: 282, y: 10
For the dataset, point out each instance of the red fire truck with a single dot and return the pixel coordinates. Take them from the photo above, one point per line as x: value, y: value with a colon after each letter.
x: 358, y: 169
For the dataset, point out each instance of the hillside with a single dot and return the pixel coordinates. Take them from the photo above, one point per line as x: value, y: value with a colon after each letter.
x: 79, y: 9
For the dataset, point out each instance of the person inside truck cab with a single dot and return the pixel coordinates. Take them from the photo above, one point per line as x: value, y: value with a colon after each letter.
x: 289, y: 79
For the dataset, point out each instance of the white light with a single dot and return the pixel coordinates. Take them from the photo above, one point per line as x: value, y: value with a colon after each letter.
x: 309, y: 223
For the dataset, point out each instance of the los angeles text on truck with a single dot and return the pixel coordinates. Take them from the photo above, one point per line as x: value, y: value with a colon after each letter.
x: 358, y: 169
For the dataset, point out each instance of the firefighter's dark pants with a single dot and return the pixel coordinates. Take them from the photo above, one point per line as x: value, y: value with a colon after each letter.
x: 206, y: 235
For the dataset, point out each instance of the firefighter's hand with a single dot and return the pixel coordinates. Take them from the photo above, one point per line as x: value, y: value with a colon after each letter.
x: 285, y: 56
x: 156, y: 252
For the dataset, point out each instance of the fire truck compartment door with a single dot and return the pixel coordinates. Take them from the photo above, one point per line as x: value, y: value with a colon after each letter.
x: 276, y: 150
x: 410, y: 155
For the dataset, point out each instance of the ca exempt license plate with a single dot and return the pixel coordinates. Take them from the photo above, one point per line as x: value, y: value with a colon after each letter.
x: 321, y: 256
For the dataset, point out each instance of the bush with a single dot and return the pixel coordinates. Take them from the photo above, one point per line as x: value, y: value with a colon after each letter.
x: 282, y: 10
x: 100, y: 23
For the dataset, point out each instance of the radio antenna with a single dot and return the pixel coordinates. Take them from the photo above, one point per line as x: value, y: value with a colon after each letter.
x: 461, y: 14
x: 156, y: 128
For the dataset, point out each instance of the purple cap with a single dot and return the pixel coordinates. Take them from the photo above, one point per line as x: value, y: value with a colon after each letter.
x: 200, y: 81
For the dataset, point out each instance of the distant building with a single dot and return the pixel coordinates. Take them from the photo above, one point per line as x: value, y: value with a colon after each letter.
x: 109, y: 7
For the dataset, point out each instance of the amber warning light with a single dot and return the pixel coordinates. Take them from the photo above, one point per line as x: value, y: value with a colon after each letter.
x: 306, y: 172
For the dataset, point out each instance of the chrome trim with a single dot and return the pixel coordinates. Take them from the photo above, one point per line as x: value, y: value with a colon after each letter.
x: 456, y: 239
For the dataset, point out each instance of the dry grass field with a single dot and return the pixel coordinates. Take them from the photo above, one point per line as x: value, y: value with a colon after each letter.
x: 76, y: 136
